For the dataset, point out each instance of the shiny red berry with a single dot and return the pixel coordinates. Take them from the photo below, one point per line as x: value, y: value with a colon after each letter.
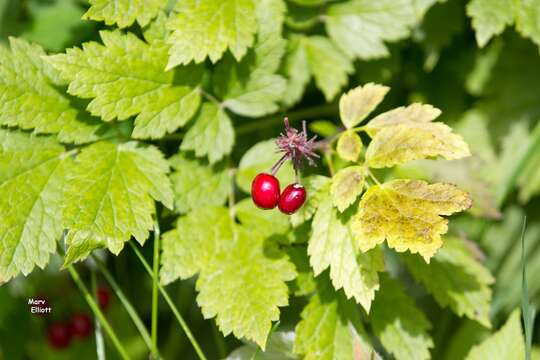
x: 58, y: 335
x: 80, y: 325
x: 104, y: 297
x: 292, y: 198
x: 265, y: 191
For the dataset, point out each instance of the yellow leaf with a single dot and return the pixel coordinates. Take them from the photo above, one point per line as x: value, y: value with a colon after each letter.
x: 413, y: 113
x: 408, y: 141
x: 355, y: 105
x: 349, y: 146
x: 347, y: 184
x: 407, y: 213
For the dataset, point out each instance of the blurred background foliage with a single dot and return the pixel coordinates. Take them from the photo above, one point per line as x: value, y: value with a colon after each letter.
x: 491, y: 95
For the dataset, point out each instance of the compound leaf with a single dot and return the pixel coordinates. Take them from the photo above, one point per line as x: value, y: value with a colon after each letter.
x: 407, y: 213
x: 203, y: 29
x: 32, y: 176
x: 456, y: 279
x: 29, y: 100
x: 212, y: 134
x: 359, y: 102
x: 110, y: 196
x: 347, y: 184
x: 332, y: 245
x: 124, y: 12
x: 408, y: 141
x: 416, y: 112
x: 122, y: 85
x: 399, y: 324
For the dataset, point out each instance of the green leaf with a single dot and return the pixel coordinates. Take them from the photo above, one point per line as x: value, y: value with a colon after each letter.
x: 123, y: 13
x: 490, y: 18
x: 297, y: 71
x: 265, y: 223
x: 212, y: 134
x: 32, y: 176
x: 317, y: 187
x: 456, y: 279
x: 29, y: 100
x: 361, y: 27
x: 414, y: 113
x: 359, y: 102
x: 347, y: 184
x: 279, y: 346
x: 399, y: 324
x: 110, y: 196
x: 331, y: 329
x: 349, y: 146
x: 260, y: 158
x: 122, y: 85
x: 323, y: 128
x: 241, y: 281
x: 208, y: 28
x: 198, y: 184
x: 332, y: 245
x: 507, y: 343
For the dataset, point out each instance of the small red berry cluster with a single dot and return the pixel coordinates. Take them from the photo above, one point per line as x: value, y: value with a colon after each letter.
x: 265, y: 188
x: 61, y: 333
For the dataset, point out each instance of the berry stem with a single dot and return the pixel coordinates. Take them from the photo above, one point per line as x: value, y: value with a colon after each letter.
x: 278, y: 164
x: 98, y: 332
x: 155, y: 280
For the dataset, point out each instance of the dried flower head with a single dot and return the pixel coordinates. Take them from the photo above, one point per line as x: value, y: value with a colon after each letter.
x: 295, y: 145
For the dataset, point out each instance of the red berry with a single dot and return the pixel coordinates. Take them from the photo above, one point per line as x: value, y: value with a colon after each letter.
x: 80, y: 325
x: 265, y: 191
x: 292, y: 198
x: 58, y: 335
x: 104, y: 297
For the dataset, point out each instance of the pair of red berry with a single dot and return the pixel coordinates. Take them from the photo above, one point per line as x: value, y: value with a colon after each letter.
x: 266, y: 195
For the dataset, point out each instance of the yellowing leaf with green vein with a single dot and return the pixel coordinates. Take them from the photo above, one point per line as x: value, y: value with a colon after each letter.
x: 359, y: 102
x: 110, y: 196
x: 207, y: 28
x: 317, y: 187
x: 211, y: 135
x: 416, y: 112
x: 347, y: 184
x: 32, y: 176
x: 331, y: 329
x: 241, y: 282
x: 399, y: 324
x: 507, y: 343
x: 124, y: 12
x: 408, y: 141
x: 407, y: 213
x: 456, y: 279
x: 349, y: 146
x: 197, y: 183
x: 361, y: 27
x: 122, y: 85
x: 28, y: 99
x: 332, y: 244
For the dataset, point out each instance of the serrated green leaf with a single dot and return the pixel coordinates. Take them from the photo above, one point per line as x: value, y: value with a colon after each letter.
x: 28, y: 99
x: 331, y: 329
x: 241, y: 281
x: 211, y: 135
x: 409, y: 141
x: 456, y: 279
x: 399, y: 324
x: 279, y: 347
x: 317, y: 188
x: 361, y: 27
x: 260, y: 158
x: 265, y: 223
x: 122, y: 85
x: 197, y: 183
x: 347, y: 184
x: 332, y: 245
x: 124, y: 12
x: 110, y: 196
x: 408, y: 214
x: 203, y: 29
x: 304, y: 284
x: 32, y: 177
x: 349, y: 146
x: 359, y: 102
x: 296, y: 70
x: 416, y: 112
x: 507, y: 343
x: 527, y: 24
x: 490, y: 18
x: 156, y: 31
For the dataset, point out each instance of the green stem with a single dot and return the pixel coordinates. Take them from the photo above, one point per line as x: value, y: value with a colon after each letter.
x: 155, y: 281
x: 307, y: 113
x: 125, y: 302
x: 97, y: 312
x: 100, y: 345
x: 534, y: 146
x: 167, y: 298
